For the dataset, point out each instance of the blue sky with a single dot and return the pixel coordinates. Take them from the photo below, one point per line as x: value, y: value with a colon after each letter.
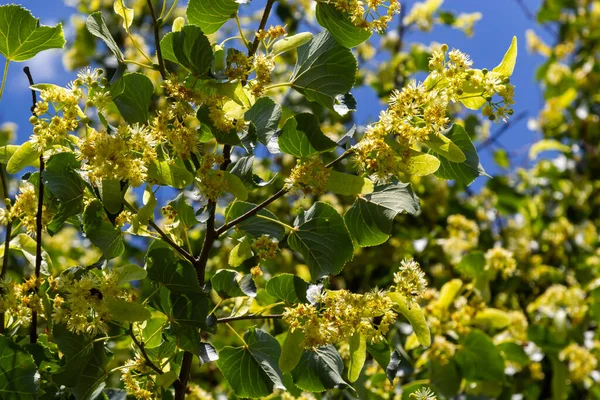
x: 501, y: 20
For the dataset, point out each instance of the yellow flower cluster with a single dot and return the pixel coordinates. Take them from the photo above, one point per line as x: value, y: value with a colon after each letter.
x: 422, y: 14
x: 424, y: 393
x: 81, y: 304
x: 309, y: 176
x: 466, y: 22
x: 454, y: 319
x: 211, y: 182
x: 263, y: 66
x: 59, y: 112
x: 498, y: 259
x: 122, y: 156
x: 580, y: 360
x: 463, y: 235
x: 265, y: 247
x: 132, y: 384
x: 20, y: 299
x: 25, y: 208
x: 557, y: 299
x: 410, y: 280
x: 339, y: 314
x: 374, y: 15
x: 442, y: 350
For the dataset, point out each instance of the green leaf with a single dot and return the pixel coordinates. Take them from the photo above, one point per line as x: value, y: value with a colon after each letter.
x: 228, y: 283
x: 443, y: 146
x: 112, y: 195
x: 130, y: 272
x: 17, y: 371
x: 101, y: 232
x: 322, y: 238
x: 291, y: 350
x: 84, y: 365
x: 124, y: 12
x: 264, y: 116
x: 348, y: 185
x: 185, y: 212
x: 472, y: 265
x: 189, y: 48
x: 240, y: 253
x: 370, y: 218
x: 514, y: 352
x: 62, y: 180
x: 547, y: 145
x: 358, y: 356
x: 97, y: 27
x: 448, y: 294
x: 25, y: 156
x: 21, y: 36
x: 320, y: 369
x: 414, y: 315
x: 301, y: 136
x: 190, y: 309
x: 466, y: 172
x: 507, y: 66
x: 479, y: 359
x: 287, y: 287
x: 255, y: 226
x: 176, y: 274
x: 445, y: 378
x: 170, y: 173
x: 7, y: 151
x: 340, y: 26
x: 235, y: 186
x: 381, y: 353
x: 252, y: 370
x: 211, y: 15
x: 146, y: 212
x: 288, y: 43
x: 325, y: 69
x: 122, y: 310
x: 419, y: 164
x: 492, y: 318
x: 134, y: 102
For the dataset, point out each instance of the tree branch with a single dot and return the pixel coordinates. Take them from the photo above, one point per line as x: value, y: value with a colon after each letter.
x: 494, y: 138
x: 143, y: 351
x: 161, y: 61
x: 263, y: 23
x: 7, y: 234
x: 38, y: 219
x: 164, y: 236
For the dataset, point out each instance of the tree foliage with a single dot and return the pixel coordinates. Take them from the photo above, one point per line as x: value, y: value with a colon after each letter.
x: 200, y: 214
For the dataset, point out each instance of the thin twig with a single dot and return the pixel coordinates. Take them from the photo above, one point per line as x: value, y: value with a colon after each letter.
x: 143, y: 351
x: 161, y: 61
x: 529, y: 14
x: 164, y: 236
x: 249, y: 317
x: 263, y: 23
x: 7, y: 234
x: 33, y: 336
x: 505, y: 128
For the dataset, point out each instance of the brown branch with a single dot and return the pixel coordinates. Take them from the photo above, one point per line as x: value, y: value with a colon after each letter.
x: 505, y: 128
x: 33, y: 336
x: 249, y: 317
x: 7, y: 235
x: 263, y: 24
x: 161, y: 61
x: 143, y: 351
x: 529, y: 15
x: 164, y: 236
x: 211, y: 233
